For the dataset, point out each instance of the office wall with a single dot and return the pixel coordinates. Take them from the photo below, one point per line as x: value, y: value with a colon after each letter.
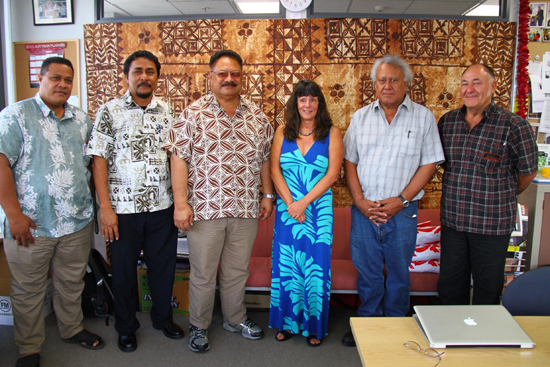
x: 336, y: 53
x: 23, y: 29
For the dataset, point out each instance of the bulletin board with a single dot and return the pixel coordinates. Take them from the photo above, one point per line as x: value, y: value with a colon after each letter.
x: 23, y: 89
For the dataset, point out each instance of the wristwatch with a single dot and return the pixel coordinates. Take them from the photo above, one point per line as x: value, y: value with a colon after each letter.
x: 270, y: 196
x: 406, y: 203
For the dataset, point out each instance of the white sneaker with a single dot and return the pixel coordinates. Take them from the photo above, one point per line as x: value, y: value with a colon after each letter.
x: 248, y: 329
x: 198, y: 339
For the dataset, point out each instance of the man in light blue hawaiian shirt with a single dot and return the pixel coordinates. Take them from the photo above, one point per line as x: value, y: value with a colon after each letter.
x: 47, y: 212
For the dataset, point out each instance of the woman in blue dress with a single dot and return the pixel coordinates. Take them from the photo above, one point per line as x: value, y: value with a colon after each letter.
x: 306, y: 157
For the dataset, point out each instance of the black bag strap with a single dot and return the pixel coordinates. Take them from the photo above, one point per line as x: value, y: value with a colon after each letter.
x: 100, y: 261
x: 99, y: 279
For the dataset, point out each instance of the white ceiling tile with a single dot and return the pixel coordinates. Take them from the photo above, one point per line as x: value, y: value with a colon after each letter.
x: 390, y: 7
x: 148, y: 9
x: 440, y: 7
x: 197, y: 7
x: 194, y: 7
x: 334, y: 6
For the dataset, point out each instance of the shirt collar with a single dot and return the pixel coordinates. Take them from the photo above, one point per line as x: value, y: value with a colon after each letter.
x: 487, y: 112
x: 130, y: 103
x: 46, y: 111
x: 211, y: 100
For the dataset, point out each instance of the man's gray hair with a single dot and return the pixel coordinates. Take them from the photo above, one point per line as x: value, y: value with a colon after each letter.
x: 393, y: 60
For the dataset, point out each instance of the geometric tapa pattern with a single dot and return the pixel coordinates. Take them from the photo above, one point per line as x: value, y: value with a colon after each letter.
x: 336, y: 53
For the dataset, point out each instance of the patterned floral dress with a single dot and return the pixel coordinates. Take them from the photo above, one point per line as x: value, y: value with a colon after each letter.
x: 300, y: 275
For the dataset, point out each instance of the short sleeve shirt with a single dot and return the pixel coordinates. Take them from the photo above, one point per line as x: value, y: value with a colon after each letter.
x: 388, y: 155
x: 129, y: 138
x: 49, y: 165
x: 224, y: 157
x: 479, y: 189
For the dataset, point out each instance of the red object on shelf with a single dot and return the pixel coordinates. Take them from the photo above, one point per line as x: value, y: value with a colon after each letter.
x: 522, y: 76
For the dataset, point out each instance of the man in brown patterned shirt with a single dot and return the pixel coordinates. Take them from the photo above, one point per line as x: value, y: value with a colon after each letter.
x: 220, y: 148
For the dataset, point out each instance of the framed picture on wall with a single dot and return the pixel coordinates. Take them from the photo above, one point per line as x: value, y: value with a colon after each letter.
x: 50, y: 12
x: 535, y: 34
x: 538, y: 11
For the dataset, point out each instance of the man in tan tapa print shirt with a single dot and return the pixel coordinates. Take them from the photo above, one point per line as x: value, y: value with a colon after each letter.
x: 220, y: 148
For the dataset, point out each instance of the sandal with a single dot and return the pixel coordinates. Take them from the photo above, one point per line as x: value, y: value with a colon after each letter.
x: 310, y: 341
x: 86, y: 340
x: 286, y: 335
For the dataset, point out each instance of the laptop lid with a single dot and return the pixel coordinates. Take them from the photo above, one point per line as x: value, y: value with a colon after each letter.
x: 472, y: 325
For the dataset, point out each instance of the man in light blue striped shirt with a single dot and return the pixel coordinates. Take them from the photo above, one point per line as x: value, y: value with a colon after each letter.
x: 392, y: 148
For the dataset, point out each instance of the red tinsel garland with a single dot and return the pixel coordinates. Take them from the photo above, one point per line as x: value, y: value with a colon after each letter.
x: 522, y: 76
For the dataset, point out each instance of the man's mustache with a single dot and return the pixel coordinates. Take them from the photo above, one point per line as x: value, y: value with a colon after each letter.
x: 232, y: 84
x: 144, y: 83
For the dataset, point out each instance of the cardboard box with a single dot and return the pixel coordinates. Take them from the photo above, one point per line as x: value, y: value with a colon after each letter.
x: 257, y: 300
x: 6, y: 314
x: 180, y: 294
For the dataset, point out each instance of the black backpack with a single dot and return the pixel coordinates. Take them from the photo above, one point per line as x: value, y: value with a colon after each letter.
x: 97, y: 297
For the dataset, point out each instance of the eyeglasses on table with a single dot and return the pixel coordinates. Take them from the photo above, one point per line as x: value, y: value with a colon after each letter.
x: 430, y: 352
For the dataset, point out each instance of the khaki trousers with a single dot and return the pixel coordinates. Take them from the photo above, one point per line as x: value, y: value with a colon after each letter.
x: 66, y: 257
x: 227, y: 241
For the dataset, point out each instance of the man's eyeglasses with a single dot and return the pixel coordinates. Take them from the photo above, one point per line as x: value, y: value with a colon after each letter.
x: 430, y: 352
x: 224, y: 74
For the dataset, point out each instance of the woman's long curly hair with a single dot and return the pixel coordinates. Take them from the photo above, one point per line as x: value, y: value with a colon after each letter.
x: 323, y: 121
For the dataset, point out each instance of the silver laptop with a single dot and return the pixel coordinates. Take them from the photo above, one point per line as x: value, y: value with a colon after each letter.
x: 447, y: 326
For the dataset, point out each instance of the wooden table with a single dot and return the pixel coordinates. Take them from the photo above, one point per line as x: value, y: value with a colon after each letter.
x: 380, y: 343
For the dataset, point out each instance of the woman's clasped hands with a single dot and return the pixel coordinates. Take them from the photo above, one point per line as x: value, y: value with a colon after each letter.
x: 297, y: 211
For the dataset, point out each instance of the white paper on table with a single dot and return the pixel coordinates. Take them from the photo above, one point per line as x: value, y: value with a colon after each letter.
x: 546, y: 73
x: 534, y: 68
x: 545, y: 118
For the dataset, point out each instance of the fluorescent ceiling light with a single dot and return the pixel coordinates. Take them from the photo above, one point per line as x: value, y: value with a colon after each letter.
x: 258, y: 7
x: 485, y: 11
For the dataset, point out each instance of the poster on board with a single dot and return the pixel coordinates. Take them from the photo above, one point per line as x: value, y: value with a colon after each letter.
x: 38, y: 52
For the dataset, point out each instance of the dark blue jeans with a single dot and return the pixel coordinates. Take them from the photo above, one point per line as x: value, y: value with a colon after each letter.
x: 391, y: 244
x: 466, y: 255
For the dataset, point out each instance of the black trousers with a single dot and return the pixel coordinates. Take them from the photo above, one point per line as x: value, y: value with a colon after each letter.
x: 156, y: 235
x: 466, y: 255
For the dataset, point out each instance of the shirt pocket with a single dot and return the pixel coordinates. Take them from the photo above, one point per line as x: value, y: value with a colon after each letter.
x: 247, y: 143
x: 489, y: 156
x: 411, y: 146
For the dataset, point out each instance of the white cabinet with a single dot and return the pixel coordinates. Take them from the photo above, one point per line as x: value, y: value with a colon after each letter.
x: 538, y: 237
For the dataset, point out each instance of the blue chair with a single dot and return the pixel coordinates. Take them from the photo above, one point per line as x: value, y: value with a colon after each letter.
x: 529, y: 294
